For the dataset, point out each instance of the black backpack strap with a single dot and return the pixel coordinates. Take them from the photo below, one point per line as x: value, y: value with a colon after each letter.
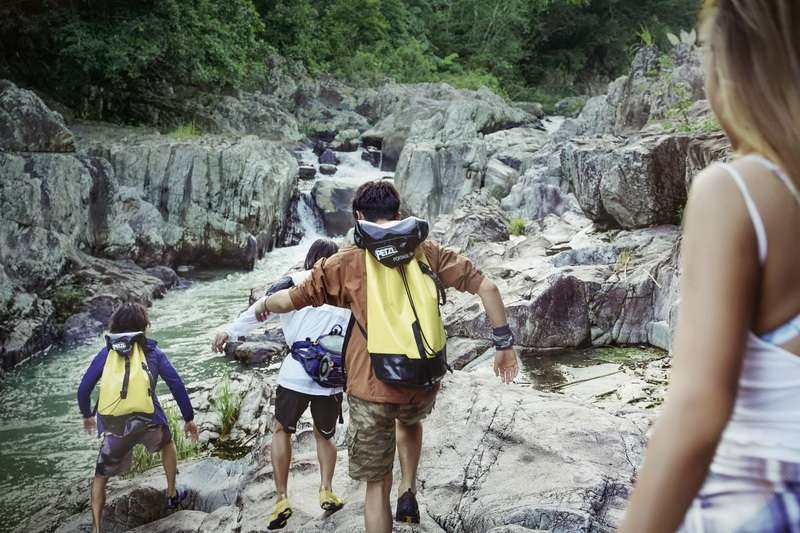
x: 439, y: 285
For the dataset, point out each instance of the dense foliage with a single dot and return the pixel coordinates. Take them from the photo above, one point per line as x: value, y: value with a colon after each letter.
x: 523, y: 48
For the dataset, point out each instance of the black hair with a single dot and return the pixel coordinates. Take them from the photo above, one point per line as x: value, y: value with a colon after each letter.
x: 319, y: 249
x: 129, y: 317
x: 377, y: 200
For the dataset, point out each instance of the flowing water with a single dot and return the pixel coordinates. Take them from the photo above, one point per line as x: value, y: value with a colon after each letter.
x: 42, y: 445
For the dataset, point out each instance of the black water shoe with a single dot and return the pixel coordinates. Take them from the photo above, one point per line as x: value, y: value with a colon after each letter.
x: 407, y: 508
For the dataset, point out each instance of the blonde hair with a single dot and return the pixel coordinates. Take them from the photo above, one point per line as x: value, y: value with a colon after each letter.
x: 755, y: 47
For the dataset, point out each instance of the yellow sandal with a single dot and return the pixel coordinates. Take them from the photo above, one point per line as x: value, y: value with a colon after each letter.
x: 280, y: 514
x: 329, y: 501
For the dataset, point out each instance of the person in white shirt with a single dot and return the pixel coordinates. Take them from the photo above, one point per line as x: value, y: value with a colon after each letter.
x: 297, y: 390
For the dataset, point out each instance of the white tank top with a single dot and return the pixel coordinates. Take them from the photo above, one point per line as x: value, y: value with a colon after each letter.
x: 765, y: 423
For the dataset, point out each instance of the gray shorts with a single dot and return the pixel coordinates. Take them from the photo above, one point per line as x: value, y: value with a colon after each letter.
x: 116, y: 453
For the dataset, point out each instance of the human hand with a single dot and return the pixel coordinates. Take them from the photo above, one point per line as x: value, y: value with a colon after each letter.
x: 190, y: 429
x: 89, y: 425
x: 219, y: 341
x: 261, y: 309
x: 505, y: 365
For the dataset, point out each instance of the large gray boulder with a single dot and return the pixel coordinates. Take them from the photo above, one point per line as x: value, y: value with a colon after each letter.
x: 657, y: 82
x: 631, y: 184
x: 28, y: 125
x: 209, y: 199
x: 445, y: 155
x: 542, y: 190
x: 333, y: 199
x: 478, y: 220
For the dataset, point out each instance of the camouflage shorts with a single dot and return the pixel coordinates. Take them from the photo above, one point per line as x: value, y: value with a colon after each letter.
x: 371, y: 435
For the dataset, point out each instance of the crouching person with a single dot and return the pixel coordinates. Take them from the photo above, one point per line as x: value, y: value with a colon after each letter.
x: 127, y: 411
x: 393, y: 281
x: 307, y: 378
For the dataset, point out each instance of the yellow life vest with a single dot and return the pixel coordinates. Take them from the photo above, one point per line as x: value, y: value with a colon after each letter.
x: 126, y: 383
x: 405, y: 338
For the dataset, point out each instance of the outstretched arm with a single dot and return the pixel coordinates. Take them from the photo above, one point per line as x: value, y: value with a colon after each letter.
x: 505, y: 360
x: 247, y: 321
x: 719, y: 286
x: 459, y: 273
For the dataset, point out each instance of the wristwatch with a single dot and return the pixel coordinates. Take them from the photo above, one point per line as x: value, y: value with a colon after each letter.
x: 503, y: 338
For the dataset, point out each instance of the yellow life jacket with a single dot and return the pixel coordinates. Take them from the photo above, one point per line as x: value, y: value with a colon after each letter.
x: 405, y: 338
x: 126, y: 384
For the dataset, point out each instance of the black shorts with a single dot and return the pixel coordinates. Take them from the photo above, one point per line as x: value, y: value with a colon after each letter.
x: 325, y: 410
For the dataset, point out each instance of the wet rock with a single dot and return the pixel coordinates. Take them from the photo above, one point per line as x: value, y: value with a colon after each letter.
x: 328, y: 170
x: 307, y: 172
x: 347, y: 141
x: 334, y: 199
x: 320, y: 147
x: 372, y: 155
x: 168, y: 276
x: 328, y: 157
x: 255, y: 353
x: 28, y: 125
x: 82, y: 328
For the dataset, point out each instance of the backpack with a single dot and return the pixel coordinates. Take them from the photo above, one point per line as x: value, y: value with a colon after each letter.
x: 406, y: 339
x: 322, y: 359
x: 126, y: 385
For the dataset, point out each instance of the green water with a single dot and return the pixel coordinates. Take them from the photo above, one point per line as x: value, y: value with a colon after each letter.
x: 547, y: 370
x: 42, y: 445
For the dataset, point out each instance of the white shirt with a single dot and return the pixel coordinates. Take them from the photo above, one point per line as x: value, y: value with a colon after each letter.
x: 308, y: 323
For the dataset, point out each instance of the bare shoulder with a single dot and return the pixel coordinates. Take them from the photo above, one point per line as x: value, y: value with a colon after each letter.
x: 717, y: 206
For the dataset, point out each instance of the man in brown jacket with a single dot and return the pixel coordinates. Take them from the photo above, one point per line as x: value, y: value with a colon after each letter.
x: 384, y: 416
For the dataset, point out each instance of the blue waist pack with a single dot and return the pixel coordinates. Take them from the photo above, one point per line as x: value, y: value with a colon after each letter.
x: 322, y: 359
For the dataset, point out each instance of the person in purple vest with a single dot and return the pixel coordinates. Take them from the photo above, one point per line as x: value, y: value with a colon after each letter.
x: 128, y: 412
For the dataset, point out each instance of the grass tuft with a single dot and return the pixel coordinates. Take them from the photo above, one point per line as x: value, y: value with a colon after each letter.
x: 227, y: 406
x: 186, y: 131
x: 517, y: 226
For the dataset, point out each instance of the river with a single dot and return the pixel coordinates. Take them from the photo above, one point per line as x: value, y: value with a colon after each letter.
x: 42, y: 444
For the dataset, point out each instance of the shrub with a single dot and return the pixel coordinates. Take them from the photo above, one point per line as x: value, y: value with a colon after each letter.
x: 517, y: 226
x: 67, y: 301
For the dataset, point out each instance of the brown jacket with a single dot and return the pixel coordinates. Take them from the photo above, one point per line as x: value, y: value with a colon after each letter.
x: 340, y: 281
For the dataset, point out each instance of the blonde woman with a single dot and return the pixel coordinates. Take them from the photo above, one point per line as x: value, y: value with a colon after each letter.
x: 725, y: 452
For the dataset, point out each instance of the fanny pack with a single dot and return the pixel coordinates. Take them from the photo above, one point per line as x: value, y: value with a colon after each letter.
x: 322, y: 359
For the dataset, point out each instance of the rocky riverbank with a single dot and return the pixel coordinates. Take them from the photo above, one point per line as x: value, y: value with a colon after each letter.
x: 578, y: 226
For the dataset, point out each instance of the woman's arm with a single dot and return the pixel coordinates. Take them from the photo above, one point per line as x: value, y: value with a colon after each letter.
x: 719, y: 288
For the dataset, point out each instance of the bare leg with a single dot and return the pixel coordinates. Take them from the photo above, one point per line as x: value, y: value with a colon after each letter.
x: 409, y: 447
x: 281, y: 459
x: 326, y: 454
x: 169, y: 460
x: 377, y: 509
x: 98, y: 502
